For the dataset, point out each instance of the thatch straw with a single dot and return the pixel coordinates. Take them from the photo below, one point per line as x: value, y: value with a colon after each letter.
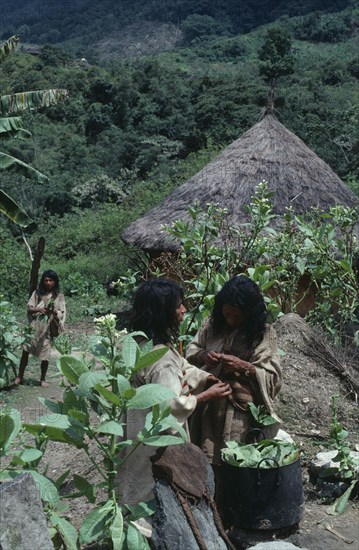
x: 268, y: 151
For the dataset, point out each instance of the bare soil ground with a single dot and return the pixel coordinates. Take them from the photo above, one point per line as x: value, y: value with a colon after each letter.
x: 304, y: 404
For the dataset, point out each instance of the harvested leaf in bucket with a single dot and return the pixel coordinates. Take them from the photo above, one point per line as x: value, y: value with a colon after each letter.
x: 268, y: 453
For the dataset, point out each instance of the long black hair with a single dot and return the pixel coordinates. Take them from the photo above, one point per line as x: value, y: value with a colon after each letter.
x: 244, y: 294
x: 154, y: 309
x: 49, y: 273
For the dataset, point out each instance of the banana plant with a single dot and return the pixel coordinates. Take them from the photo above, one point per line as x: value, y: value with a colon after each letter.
x: 11, y: 125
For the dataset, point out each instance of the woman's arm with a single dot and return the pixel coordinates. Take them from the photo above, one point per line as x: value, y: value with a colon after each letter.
x: 197, y: 352
x: 34, y: 306
x: 176, y: 374
x: 235, y: 365
x: 219, y: 390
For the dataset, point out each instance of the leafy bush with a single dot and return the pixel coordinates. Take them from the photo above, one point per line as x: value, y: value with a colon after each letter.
x: 198, y: 26
x: 109, y: 394
x: 320, y: 246
x: 14, y: 267
x: 12, y: 337
x: 347, y: 465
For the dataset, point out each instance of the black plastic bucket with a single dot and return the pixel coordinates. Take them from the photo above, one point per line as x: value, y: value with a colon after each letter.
x: 262, y: 498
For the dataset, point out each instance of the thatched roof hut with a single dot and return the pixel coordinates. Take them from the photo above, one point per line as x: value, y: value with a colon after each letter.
x: 267, y: 151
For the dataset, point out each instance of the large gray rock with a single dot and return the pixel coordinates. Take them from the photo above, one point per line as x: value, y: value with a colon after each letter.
x: 324, y: 460
x: 22, y: 519
x: 170, y: 527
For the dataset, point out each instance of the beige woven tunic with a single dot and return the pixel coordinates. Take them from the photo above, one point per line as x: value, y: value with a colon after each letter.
x: 40, y: 345
x: 218, y: 421
x: 134, y: 479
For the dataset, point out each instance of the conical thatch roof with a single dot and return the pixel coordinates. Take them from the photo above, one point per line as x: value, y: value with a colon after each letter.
x: 268, y: 151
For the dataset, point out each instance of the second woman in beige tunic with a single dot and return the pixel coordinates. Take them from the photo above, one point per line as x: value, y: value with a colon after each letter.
x: 247, y: 359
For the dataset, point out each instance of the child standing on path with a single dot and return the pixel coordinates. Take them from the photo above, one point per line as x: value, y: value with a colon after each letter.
x: 46, y: 314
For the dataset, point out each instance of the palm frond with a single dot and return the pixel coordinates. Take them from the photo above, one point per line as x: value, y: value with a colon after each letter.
x: 8, y: 162
x: 13, y: 211
x: 13, y: 127
x: 8, y: 47
x: 27, y: 101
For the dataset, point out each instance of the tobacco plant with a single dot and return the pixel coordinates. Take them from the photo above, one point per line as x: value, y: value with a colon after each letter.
x: 274, y: 251
x: 346, y: 465
x: 12, y: 337
x: 91, y: 417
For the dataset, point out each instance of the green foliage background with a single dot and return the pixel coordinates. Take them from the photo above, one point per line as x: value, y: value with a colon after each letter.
x: 134, y: 129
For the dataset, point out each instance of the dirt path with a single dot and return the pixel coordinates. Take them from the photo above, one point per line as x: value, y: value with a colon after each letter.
x: 317, y: 531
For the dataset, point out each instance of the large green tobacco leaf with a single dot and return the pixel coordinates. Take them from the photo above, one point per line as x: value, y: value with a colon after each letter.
x: 10, y: 425
x: 110, y: 427
x: 47, y: 488
x: 73, y: 435
x: 29, y: 455
x: 67, y: 531
x: 85, y: 487
x: 130, y: 351
x: 149, y: 395
x: 342, y: 502
x: 166, y: 423
x: 261, y: 415
x: 11, y: 209
x: 108, y: 394
x: 116, y: 529
x: 150, y: 358
x: 94, y: 525
x: 13, y: 104
x: 55, y: 407
x: 134, y: 539
x: 72, y: 368
x: 88, y: 380
x: 162, y: 440
x: 7, y: 427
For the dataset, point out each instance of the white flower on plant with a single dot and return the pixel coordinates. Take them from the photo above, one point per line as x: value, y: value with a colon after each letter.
x: 106, y: 321
x: 109, y: 318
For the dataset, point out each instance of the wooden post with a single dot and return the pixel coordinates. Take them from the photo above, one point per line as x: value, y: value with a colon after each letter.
x: 36, y: 265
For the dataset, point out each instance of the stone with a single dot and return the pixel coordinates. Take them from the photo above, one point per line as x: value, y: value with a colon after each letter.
x: 275, y: 545
x: 22, y: 518
x: 324, y: 460
x: 170, y: 526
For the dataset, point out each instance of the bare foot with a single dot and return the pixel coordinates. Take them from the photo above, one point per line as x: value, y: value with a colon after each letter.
x: 18, y: 381
x: 43, y: 384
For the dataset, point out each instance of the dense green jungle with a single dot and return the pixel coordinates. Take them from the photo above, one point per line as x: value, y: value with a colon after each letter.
x: 134, y: 127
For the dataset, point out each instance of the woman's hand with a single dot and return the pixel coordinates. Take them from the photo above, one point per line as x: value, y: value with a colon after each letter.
x: 212, y: 358
x: 33, y: 310
x: 216, y: 391
x: 232, y: 364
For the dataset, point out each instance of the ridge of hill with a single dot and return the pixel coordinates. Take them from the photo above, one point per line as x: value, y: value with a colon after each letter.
x: 146, y: 26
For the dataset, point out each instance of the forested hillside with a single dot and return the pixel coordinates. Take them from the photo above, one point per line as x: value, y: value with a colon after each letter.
x: 81, y: 23
x: 133, y: 129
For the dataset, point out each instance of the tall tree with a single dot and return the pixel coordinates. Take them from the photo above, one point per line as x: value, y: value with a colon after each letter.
x: 275, y: 56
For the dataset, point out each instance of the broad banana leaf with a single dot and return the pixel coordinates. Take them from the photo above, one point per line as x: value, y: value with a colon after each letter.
x: 27, y: 101
x: 13, y: 127
x: 7, y: 162
x: 11, y: 209
x: 8, y: 47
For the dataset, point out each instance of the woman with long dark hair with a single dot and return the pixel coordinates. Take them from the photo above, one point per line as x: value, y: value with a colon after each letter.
x: 46, y: 312
x: 236, y: 345
x: 157, y: 311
